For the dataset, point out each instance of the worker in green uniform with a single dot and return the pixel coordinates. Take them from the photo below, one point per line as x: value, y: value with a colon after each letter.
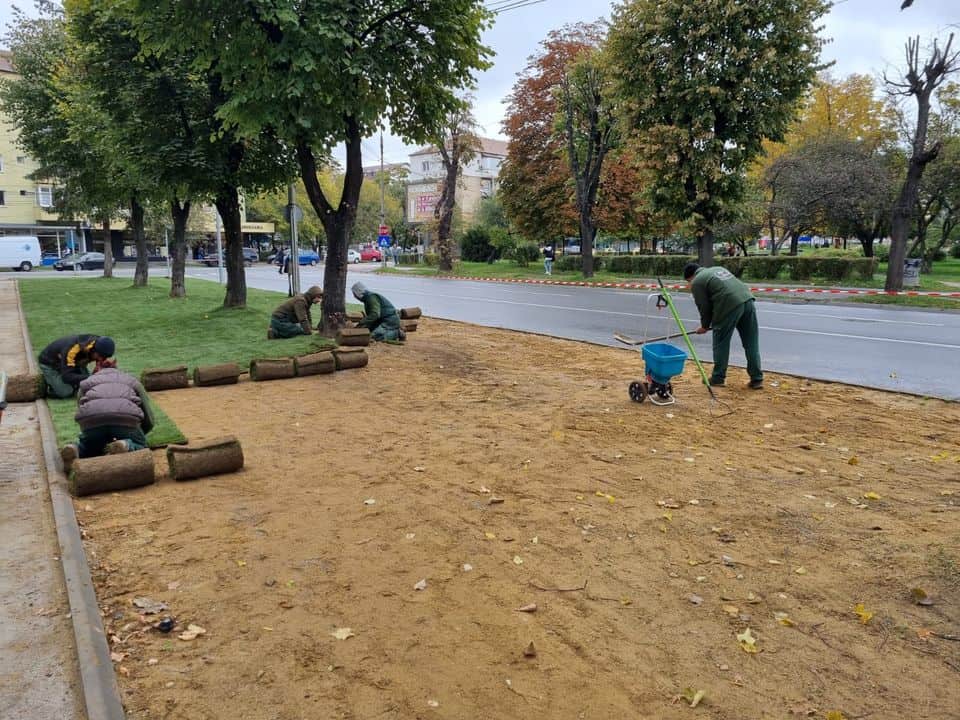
x: 379, y: 315
x: 292, y: 317
x: 725, y: 305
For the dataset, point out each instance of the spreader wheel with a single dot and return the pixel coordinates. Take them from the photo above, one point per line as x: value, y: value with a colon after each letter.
x: 638, y: 391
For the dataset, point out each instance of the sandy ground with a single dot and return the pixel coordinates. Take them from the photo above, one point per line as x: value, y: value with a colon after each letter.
x: 648, y: 538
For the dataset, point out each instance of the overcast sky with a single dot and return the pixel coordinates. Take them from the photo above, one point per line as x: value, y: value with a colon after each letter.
x: 866, y: 36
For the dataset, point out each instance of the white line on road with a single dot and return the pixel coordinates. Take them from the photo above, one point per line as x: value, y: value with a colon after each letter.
x: 768, y: 311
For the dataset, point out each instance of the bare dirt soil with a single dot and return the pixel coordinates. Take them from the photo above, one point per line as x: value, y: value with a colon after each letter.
x: 495, y: 470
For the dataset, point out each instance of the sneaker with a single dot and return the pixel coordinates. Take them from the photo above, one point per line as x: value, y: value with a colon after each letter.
x: 401, y: 335
x: 69, y: 453
x: 717, y: 383
x: 116, y: 447
x: 755, y: 384
x: 271, y: 335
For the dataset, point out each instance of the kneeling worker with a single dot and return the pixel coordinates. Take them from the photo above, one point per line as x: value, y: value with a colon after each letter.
x: 113, y: 413
x: 725, y: 305
x: 64, y: 362
x: 379, y: 315
x: 292, y: 317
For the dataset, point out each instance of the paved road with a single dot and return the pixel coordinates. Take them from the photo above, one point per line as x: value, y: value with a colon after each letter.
x: 890, y: 348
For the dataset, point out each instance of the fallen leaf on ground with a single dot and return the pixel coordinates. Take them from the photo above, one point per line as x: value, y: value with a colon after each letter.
x: 668, y: 503
x: 192, y: 632
x: 484, y: 489
x: 433, y: 703
x: 517, y: 560
x: 419, y: 468
x: 784, y: 619
x: 241, y: 563
x: 421, y: 585
x: 117, y: 657
x: 871, y: 496
x: 747, y: 641
x: 693, y: 696
x: 924, y: 633
x: 854, y: 460
x: 695, y: 599
x: 369, y: 501
x: 801, y: 570
x: 731, y: 610
x: 920, y: 596
x: 467, y: 567
x: 343, y: 633
x: 862, y: 612
x: 774, y: 562
x: 530, y: 608
x: 149, y: 606
x: 530, y: 651
x: 490, y: 536
x: 836, y: 715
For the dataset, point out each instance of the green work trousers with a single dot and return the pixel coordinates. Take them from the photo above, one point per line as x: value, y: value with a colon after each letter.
x: 285, y: 328
x: 56, y: 387
x: 387, y: 329
x: 92, y: 441
x: 743, y: 319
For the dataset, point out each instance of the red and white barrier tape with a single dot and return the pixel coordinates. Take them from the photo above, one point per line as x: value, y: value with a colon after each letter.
x: 654, y: 286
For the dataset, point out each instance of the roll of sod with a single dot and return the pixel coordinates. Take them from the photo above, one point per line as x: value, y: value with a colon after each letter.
x: 25, y: 388
x: 224, y: 374
x: 350, y: 357
x: 353, y: 316
x: 109, y: 473
x: 165, y: 378
x: 353, y: 337
x: 408, y: 325
x: 214, y: 457
x: 272, y: 369
x: 411, y: 313
x: 319, y: 363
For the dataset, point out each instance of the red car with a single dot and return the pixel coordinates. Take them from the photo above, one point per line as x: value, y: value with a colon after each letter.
x: 370, y: 254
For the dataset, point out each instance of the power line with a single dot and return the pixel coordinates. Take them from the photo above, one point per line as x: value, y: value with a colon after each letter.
x: 501, y: 6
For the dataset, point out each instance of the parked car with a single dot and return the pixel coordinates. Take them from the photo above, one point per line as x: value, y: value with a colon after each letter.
x: 250, y: 256
x: 307, y: 257
x: 353, y: 256
x: 371, y: 254
x: 20, y: 252
x: 49, y: 258
x: 80, y: 261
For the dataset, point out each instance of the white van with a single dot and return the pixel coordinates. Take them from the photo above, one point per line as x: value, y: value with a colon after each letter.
x: 19, y: 252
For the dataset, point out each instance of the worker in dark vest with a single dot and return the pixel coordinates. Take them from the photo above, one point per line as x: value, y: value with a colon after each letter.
x: 64, y: 362
x: 292, y: 318
x: 725, y: 305
x: 379, y: 314
x: 113, y: 413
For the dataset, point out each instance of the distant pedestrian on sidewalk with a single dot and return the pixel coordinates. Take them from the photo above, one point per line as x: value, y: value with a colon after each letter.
x: 113, y: 413
x: 725, y: 305
x: 64, y: 362
x: 548, y: 255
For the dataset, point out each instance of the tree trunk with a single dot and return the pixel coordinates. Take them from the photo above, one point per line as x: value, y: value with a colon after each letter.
x: 900, y: 222
x: 178, y: 248
x: 587, y: 234
x: 444, y: 225
x: 705, y: 247
x: 107, y: 250
x: 141, y: 273
x: 227, y: 202
x: 795, y: 244
x: 867, y: 244
x: 336, y: 223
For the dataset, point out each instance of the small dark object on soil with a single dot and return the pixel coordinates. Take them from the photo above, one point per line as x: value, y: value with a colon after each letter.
x: 165, y: 625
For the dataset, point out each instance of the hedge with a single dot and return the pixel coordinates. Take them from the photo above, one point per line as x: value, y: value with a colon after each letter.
x: 429, y: 259
x: 574, y: 263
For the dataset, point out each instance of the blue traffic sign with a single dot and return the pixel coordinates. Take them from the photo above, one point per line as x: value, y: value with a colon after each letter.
x: 383, y: 240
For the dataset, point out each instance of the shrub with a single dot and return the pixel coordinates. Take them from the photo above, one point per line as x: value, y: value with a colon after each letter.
x: 955, y: 250
x: 835, y: 269
x: 865, y: 267
x: 475, y: 245
x: 736, y: 265
x: 881, y: 252
x: 526, y: 253
x: 938, y: 255
x: 431, y: 259
x: 408, y: 259
x: 804, y: 268
x: 568, y: 263
x: 766, y: 267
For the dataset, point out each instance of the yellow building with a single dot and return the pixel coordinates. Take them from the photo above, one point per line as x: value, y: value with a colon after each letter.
x: 25, y: 204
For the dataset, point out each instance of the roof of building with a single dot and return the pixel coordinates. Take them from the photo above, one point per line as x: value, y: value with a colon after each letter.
x: 387, y: 167
x: 488, y: 146
x: 6, y: 62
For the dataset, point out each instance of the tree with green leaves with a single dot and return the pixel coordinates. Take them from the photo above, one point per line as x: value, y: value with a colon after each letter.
x: 703, y: 85
x: 458, y: 143
x: 319, y: 74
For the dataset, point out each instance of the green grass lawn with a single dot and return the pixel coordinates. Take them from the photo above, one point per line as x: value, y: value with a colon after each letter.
x: 153, y: 330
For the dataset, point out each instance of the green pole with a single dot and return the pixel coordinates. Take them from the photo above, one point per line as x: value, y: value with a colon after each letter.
x: 683, y: 331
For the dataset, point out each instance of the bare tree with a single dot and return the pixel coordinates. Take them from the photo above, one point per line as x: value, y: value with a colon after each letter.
x: 458, y: 145
x: 920, y: 82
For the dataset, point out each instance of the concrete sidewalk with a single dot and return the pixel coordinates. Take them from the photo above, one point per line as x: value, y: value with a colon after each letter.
x: 39, y: 675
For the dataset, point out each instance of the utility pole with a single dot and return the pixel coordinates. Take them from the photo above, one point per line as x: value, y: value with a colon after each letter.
x: 216, y: 214
x: 383, y: 212
x: 292, y: 210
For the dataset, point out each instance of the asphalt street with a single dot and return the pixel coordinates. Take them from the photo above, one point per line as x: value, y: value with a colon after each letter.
x: 881, y: 347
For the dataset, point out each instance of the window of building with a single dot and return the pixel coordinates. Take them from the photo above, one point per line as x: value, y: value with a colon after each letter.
x: 425, y: 166
x: 45, y: 196
x: 21, y: 159
x: 486, y: 187
x: 1, y: 163
x: 3, y: 200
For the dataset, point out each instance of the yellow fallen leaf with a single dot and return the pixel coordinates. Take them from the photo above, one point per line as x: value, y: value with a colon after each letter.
x: 693, y: 696
x: 557, y: 435
x: 517, y: 560
x: 801, y: 570
x: 662, y: 528
x: 871, y: 496
x: 192, y: 632
x: 667, y: 516
x: 747, y: 641
x: 940, y: 456
x: 924, y: 633
x: 241, y: 563
x: 343, y: 633
x: 854, y: 460
x: 579, y: 497
x: 836, y: 715
x: 732, y: 610
x: 864, y: 614
x: 626, y: 601
x: 784, y: 619
x: 490, y: 536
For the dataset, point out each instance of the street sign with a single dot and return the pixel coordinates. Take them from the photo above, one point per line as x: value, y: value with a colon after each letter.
x: 297, y: 213
x: 384, y: 230
x: 383, y: 241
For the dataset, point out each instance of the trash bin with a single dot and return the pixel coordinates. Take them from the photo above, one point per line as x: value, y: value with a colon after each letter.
x: 911, y: 272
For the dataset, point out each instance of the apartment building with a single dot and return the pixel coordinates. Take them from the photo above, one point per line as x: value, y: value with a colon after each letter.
x: 478, y: 179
